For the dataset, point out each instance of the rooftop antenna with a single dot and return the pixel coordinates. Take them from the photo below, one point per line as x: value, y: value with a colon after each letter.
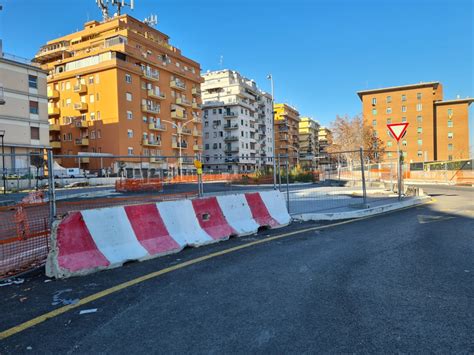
x: 151, y: 20
x: 104, y: 6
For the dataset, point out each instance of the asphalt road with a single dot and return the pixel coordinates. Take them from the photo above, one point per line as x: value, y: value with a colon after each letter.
x: 400, y: 282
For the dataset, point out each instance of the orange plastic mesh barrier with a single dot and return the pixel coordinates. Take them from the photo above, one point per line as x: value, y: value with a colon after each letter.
x: 135, y: 185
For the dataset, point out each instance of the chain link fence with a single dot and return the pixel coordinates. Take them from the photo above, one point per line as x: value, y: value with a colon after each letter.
x: 50, y: 186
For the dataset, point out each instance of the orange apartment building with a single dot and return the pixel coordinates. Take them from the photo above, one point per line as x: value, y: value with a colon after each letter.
x: 286, y: 129
x: 118, y: 87
x: 438, y: 130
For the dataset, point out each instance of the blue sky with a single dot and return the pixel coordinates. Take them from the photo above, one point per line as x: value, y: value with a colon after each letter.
x: 320, y: 52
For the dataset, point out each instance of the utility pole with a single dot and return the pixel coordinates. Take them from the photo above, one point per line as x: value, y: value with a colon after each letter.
x: 270, y: 77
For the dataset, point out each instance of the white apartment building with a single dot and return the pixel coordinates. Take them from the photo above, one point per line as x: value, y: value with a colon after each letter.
x: 237, y: 129
x: 23, y: 112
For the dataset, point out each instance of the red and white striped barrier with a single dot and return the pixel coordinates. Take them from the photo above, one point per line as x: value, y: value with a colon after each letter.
x: 93, y: 240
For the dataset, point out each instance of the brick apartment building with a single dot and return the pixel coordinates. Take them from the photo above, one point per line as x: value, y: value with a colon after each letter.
x: 286, y: 128
x: 438, y: 129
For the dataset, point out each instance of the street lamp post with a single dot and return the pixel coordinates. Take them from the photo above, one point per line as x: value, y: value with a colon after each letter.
x: 179, y: 130
x: 2, y: 134
x: 270, y: 77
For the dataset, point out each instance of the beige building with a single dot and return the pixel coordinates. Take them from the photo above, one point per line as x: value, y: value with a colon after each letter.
x: 23, y: 111
x: 308, y: 139
x: 324, y: 140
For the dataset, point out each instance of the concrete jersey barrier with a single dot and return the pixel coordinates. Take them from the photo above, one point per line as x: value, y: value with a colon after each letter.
x: 92, y: 240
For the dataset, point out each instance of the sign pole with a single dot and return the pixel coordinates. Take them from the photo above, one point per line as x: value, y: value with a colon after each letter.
x: 399, y: 171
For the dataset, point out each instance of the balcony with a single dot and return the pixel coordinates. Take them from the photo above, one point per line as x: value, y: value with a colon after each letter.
x: 197, y: 147
x: 81, y: 124
x: 151, y: 109
x: 186, y: 131
x: 55, y: 144
x: 231, y: 138
x: 182, y: 101
x: 231, y: 150
x: 53, y: 94
x: 157, y: 127
x: 157, y: 160
x: 54, y: 111
x: 178, y: 115
x: 231, y: 126
x: 151, y: 143
x: 197, y: 106
x: 197, y: 119
x: 156, y: 94
x: 81, y: 106
x: 152, y: 75
x: 176, y: 145
x: 230, y: 114
x: 197, y: 133
x: 81, y: 89
x: 176, y: 84
x: 82, y: 141
x: 196, y: 91
x: 54, y: 127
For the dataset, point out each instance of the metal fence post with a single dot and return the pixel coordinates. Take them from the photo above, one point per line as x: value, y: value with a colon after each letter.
x: 364, y: 189
x: 287, y: 187
x: 51, y: 188
x: 279, y: 173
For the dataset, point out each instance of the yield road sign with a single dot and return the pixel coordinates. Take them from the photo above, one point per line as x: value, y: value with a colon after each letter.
x: 398, y: 129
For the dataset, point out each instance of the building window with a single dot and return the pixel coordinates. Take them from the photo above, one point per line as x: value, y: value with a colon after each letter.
x: 68, y: 85
x: 92, y: 134
x: 130, y: 133
x: 418, y: 95
x: 68, y: 102
x: 374, y: 101
x: 419, y: 130
x: 129, y: 115
x: 389, y: 120
x: 389, y: 154
x: 404, y: 97
x: 35, y: 133
x: 91, y: 80
x: 419, y: 119
x: 91, y: 98
x: 374, y: 123
x: 99, y: 134
x: 34, y: 107
x: 128, y: 78
x: 450, y: 135
x: 33, y: 81
x: 450, y: 112
x: 419, y: 107
x: 404, y: 119
x: 450, y: 157
x: 98, y: 115
x: 130, y: 151
x: 404, y: 109
x: 419, y: 154
x: 450, y: 123
x: 404, y: 143
x: 374, y: 111
x: 420, y: 142
x: 206, y: 146
x: 389, y: 99
x: 389, y: 110
x: 389, y: 143
x: 92, y: 116
x: 128, y: 96
x: 450, y: 146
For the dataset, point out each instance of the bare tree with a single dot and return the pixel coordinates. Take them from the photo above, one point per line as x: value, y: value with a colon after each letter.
x: 349, y: 134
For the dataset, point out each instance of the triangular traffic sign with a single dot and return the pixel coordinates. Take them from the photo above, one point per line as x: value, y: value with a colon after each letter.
x: 398, y: 129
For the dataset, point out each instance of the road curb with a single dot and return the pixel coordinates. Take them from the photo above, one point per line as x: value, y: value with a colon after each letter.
x: 362, y: 213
